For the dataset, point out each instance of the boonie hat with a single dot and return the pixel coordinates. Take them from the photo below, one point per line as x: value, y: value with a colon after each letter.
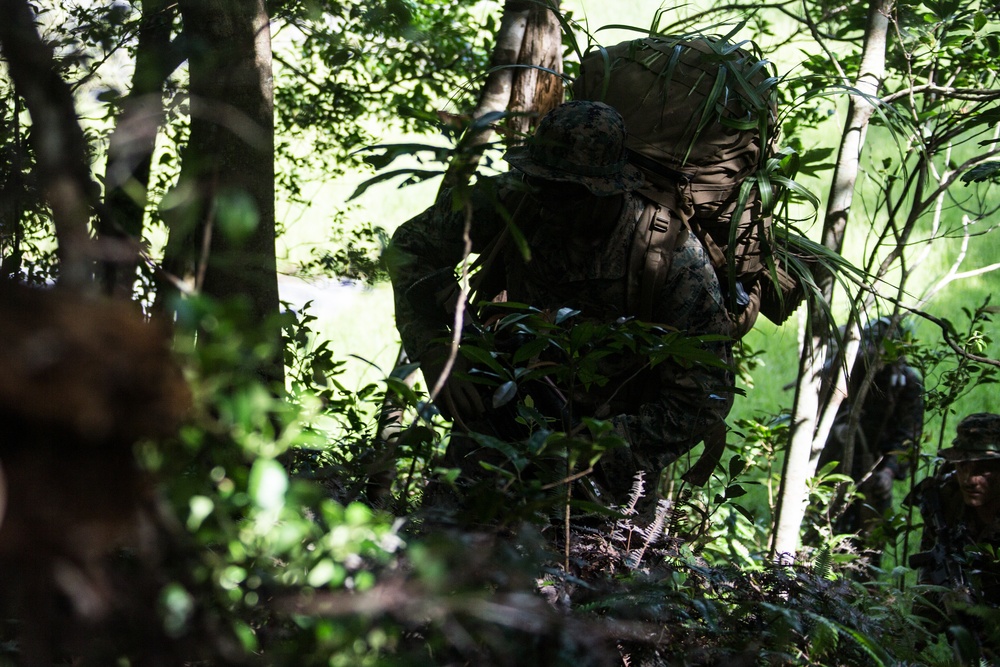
x: 977, y: 439
x: 579, y: 142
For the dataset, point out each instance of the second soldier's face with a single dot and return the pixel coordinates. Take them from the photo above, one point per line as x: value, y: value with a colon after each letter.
x: 979, y: 482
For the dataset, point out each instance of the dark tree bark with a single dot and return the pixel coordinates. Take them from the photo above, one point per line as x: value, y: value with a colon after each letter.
x: 60, y: 148
x: 131, y: 147
x: 225, y: 229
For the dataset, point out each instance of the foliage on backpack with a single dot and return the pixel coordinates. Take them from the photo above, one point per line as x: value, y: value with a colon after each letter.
x: 701, y: 118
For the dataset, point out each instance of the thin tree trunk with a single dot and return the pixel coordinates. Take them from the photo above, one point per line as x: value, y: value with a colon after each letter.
x: 536, y: 92
x: 813, y: 413
x: 131, y: 146
x: 529, y: 37
x: 60, y: 147
x: 494, y: 96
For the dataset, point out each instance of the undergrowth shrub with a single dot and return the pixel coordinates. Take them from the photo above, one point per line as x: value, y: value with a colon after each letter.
x: 283, y: 555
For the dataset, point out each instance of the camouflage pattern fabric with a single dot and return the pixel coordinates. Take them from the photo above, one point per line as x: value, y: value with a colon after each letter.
x: 676, y: 405
x: 977, y: 438
x: 580, y: 142
x: 961, y: 536
x: 891, y: 420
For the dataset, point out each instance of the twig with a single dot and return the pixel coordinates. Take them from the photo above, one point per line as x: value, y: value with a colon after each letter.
x: 951, y: 342
x: 569, y: 479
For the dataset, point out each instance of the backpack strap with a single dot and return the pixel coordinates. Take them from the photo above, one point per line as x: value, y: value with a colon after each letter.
x: 658, y: 232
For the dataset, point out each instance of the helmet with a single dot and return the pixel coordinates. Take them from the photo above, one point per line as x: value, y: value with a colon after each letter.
x: 579, y: 142
x: 977, y: 439
x: 876, y: 331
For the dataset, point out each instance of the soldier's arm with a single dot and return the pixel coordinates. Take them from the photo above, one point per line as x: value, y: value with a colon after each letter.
x: 421, y: 259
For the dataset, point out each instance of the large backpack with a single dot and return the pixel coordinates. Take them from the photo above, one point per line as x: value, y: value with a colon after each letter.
x: 700, y: 118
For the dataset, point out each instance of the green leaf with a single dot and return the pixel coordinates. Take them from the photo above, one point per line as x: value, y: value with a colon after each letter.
x: 737, y: 464
x: 404, y: 371
x: 530, y: 350
x: 394, y: 151
x: 979, y: 21
x: 483, y: 357
x: 823, y: 637
x: 987, y: 171
x: 504, y: 394
x: 511, y: 452
x: 268, y: 484
x: 735, y: 491
x: 322, y: 574
x: 247, y: 636
x: 564, y: 314
x: 402, y: 389
x: 109, y: 95
x: 200, y: 507
x: 796, y: 188
x: 416, y: 435
x: 873, y: 648
x: 415, y: 176
x: 744, y: 511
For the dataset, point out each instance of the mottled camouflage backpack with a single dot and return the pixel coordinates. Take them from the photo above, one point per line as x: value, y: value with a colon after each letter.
x: 700, y: 118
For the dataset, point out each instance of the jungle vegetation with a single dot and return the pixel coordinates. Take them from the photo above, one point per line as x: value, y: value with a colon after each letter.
x: 238, y: 502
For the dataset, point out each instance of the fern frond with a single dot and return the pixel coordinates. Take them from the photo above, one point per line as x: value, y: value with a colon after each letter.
x: 636, y: 493
x: 824, y: 562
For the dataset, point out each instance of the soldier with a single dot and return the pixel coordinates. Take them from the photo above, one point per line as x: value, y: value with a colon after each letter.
x: 960, y: 507
x: 890, y: 422
x: 573, y: 196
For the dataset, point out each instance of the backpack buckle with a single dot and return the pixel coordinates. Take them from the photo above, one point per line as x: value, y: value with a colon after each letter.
x: 661, y: 223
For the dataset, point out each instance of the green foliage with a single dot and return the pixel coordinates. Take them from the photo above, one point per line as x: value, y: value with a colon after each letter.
x: 533, y: 368
x: 283, y: 549
x: 343, y: 64
x: 352, y: 253
x: 955, y: 365
x: 261, y: 530
x: 26, y: 248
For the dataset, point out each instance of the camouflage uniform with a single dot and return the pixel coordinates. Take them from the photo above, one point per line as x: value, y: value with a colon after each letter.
x: 670, y: 412
x: 959, y: 543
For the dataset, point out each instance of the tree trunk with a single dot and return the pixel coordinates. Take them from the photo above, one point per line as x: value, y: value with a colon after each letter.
x: 529, y: 37
x: 131, y: 146
x: 60, y: 148
x: 536, y: 92
x: 225, y: 226
x: 813, y: 413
